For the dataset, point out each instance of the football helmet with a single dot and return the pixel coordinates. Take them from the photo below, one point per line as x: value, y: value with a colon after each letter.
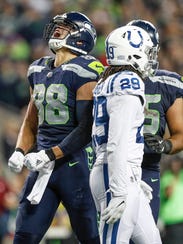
x: 153, y: 33
x: 81, y: 34
x: 130, y: 45
x: 149, y: 27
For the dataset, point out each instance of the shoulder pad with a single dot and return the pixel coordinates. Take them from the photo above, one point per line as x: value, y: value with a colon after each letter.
x: 97, y: 66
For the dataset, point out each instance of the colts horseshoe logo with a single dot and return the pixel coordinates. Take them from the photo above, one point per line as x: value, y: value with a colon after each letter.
x: 132, y: 43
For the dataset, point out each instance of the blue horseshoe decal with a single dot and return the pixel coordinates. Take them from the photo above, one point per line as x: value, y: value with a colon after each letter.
x: 133, y: 44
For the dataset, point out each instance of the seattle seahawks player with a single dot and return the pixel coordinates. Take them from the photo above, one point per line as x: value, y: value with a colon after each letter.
x: 117, y: 135
x: 58, y: 123
x: 164, y: 106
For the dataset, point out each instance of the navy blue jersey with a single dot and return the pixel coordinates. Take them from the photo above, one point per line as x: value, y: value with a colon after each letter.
x: 161, y: 91
x: 54, y: 94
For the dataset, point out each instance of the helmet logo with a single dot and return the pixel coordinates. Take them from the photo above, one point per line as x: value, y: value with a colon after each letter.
x: 87, y: 26
x: 64, y: 15
x: 132, y: 43
x: 90, y: 29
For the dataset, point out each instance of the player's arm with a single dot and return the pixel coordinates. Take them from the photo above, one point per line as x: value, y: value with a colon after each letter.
x: 117, y: 152
x: 77, y: 139
x: 26, y: 138
x: 81, y: 135
x: 28, y: 131
x: 119, y: 131
x: 174, y: 117
x: 173, y: 140
x: 117, y: 144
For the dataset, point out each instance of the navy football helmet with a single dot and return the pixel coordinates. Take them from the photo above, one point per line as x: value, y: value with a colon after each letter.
x: 81, y: 34
x: 153, y: 33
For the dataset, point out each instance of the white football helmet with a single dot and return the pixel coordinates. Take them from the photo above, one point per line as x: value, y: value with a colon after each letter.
x: 130, y: 45
x: 154, y: 35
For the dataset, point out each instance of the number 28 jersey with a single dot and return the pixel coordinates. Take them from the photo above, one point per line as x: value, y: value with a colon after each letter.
x: 54, y: 94
x: 114, y: 121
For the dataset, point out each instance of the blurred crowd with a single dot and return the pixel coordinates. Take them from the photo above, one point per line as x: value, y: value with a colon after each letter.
x: 21, y: 30
x: 171, y: 211
x: 22, y: 23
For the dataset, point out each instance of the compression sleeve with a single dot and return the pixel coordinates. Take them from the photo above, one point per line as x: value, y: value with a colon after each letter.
x: 81, y: 135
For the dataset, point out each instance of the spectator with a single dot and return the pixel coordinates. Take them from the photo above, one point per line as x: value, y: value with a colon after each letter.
x: 8, y: 201
x: 171, y: 212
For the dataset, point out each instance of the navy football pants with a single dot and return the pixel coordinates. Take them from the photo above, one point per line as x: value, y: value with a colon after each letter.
x: 69, y: 184
x: 152, y: 178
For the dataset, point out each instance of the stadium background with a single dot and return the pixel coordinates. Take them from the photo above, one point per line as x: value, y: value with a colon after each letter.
x: 21, y: 28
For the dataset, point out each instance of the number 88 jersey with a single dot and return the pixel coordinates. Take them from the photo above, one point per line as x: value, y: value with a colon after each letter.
x: 54, y: 94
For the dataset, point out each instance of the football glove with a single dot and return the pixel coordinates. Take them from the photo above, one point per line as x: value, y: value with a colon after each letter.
x: 15, y: 162
x: 37, y: 161
x: 147, y: 190
x: 114, y: 210
x: 157, y: 144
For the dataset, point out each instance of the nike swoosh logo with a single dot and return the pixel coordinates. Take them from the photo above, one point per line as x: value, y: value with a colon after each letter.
x: 154, y: 180
x: 98, y: 66
x: 73, y: 163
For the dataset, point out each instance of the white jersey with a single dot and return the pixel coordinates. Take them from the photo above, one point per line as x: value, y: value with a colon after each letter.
x: 118, y: 139
x: 118, y: 143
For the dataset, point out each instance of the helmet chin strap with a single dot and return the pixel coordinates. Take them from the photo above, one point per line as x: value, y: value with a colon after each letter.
x: 55, y: 44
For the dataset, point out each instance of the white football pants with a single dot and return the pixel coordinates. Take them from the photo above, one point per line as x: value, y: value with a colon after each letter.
x: 136, y: 222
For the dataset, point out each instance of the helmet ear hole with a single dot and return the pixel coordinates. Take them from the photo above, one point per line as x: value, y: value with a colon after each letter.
x: 136, y: 56
x: 80, y: 40
x: 79, y: 43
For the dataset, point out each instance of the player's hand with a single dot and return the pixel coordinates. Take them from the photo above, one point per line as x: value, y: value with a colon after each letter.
x: 15, y: 162
x: 157, y: 144
x: 114, y: 210
x: 147, y: 190
x: 37, y: 161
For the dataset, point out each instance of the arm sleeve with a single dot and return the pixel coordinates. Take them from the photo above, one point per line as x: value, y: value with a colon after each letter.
x: 122, y: 111
x: 81, y: 135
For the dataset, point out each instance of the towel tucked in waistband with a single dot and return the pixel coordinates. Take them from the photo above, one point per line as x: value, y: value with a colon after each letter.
x: 40, y: 185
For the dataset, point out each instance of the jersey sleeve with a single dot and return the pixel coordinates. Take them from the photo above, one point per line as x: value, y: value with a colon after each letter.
x: 30, y: 76
x: 177, y: 85
x: 172, y: 82
x: 36, y: 66
x: 122, y: 83
x: 86, y: 69
x: 122, y: 111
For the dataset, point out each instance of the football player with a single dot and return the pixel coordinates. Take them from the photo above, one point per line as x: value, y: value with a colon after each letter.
x: 164, y: 106
x: 58, y: 125
x: 117, y: 135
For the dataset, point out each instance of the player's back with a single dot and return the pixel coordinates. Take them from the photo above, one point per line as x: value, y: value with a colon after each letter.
x: 54, y: 94
x: 123, y: 83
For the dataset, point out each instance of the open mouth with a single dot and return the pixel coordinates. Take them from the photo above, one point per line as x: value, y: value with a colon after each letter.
x: 56, y: 33
x: 60, y: 32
